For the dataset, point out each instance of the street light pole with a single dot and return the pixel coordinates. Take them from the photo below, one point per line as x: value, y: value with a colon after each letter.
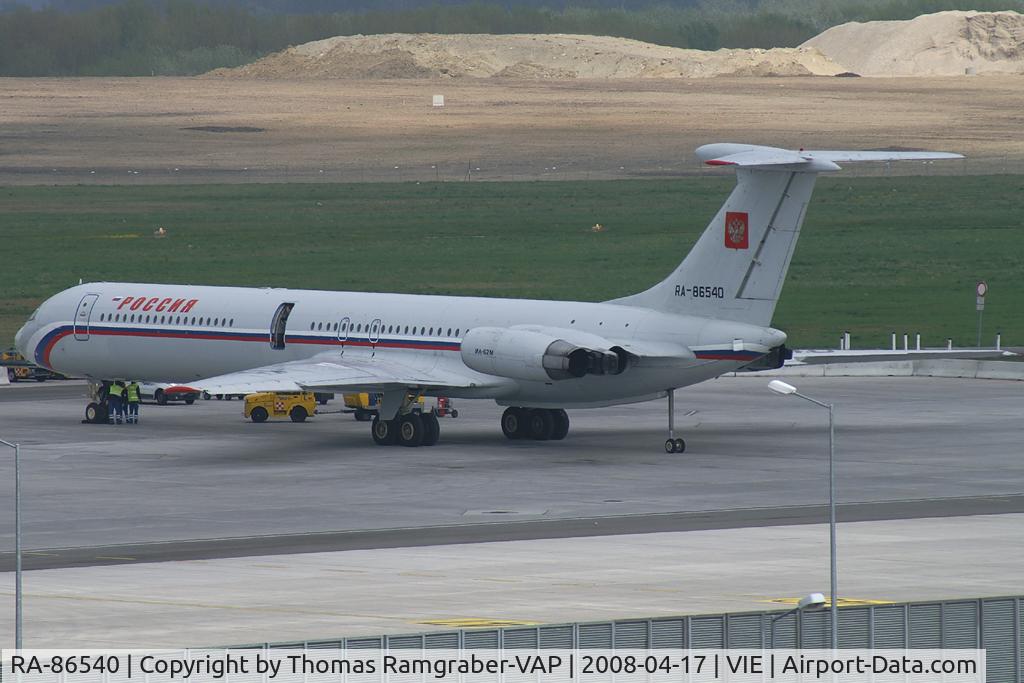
x: 834, y: 579
x: 788, y: 389
x: 771, y: 639
x: 17, y: 542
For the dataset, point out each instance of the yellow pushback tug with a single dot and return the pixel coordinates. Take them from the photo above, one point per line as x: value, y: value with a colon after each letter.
x: 296, y: 406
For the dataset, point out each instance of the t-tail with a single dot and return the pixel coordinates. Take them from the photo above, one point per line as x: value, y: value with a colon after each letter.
x: 736, y: 269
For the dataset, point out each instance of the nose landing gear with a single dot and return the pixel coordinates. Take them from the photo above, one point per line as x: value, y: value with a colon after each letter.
x: 96, y: 413
x: 673, y: 444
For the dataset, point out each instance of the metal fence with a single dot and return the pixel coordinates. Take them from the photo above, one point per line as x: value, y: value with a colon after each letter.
x: 994, y: 624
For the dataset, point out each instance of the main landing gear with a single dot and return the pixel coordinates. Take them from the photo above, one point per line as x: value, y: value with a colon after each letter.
x: 539, y: 424
x: 673, y: 444
x: 412, y: 429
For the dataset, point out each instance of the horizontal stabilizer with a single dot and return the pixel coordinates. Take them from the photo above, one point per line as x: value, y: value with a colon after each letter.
x: 847, y: 156
x: 728, y: 154
x: 828, y: 356
x: 757, y: 156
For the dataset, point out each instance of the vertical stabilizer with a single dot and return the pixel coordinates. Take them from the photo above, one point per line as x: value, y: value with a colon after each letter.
x: 737, y: 268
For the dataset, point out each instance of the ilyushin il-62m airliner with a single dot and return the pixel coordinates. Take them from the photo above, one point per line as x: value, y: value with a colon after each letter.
x: 710, y: 316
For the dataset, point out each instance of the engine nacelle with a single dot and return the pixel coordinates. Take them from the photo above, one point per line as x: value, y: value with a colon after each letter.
x: 773, y: 360
x: 522, y: 354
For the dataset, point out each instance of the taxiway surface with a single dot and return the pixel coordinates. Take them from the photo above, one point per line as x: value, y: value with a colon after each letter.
x: 928, y: 447
x: 289, y: 598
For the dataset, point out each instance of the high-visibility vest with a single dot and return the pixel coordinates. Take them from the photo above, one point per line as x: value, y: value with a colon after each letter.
x: 133, y: 392
x: 116, y: 390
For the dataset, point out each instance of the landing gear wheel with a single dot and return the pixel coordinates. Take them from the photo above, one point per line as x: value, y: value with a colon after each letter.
x: 384, y: 432
x: 259, y: 414
x: 189, y: 401
x: 298, y: 414
x: 161, y: 397
x: 513, y: 423
x: 206, y: 396
x: 411, y: 430
x: 96, y: 413
x: 675, y: 446
x: 540, y: 424
x: 454, y: 414
x: 431, y: 429
x: 561, y: 424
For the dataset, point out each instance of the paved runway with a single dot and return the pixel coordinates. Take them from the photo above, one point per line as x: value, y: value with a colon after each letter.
x: 202, y: 472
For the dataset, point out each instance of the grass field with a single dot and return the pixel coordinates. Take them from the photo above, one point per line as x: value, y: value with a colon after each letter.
x: 877, y: 254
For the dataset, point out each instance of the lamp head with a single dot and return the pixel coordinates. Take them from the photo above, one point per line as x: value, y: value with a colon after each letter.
x: 780, y: 387
x: 813, y: 601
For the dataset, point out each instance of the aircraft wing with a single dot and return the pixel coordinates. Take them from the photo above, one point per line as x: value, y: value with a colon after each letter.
x: 329, y: 372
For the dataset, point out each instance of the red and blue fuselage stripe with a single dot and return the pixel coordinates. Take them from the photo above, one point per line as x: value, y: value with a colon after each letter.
x: 46, y: 344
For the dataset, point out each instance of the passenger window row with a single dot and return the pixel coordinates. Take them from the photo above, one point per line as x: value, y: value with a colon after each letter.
x: 166, y: 320
x: 390, y: 329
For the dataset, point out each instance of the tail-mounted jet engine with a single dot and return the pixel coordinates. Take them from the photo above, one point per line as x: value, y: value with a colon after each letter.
x: 522, y: 354
x: 773, y: 360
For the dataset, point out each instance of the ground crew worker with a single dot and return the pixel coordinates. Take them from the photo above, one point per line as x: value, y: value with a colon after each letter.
x: 132, y: 395
x: 115, y: 400
x: 103, y: 397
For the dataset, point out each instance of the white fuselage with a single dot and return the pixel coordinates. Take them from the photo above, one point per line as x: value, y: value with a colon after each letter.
x: 177, y: 333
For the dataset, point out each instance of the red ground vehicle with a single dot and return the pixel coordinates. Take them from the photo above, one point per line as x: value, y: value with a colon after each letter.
x: 444, y: 407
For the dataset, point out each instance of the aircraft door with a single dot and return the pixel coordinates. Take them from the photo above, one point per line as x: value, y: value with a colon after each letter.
x: 343, y: 330
x: 279, y: 325
x: 374, y: 335
x: 83, y: 315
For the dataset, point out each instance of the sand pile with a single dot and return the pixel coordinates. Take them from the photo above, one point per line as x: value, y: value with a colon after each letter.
x: 941, y: 44
x: 401, y: 55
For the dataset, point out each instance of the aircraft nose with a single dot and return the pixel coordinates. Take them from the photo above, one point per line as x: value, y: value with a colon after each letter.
x: 21, y: 340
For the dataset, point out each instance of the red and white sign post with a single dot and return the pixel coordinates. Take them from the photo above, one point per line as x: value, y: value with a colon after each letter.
x: 981, y: 290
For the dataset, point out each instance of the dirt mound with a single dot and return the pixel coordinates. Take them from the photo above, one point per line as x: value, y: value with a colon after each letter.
x: 536, y: 57
x: 941, y: 44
